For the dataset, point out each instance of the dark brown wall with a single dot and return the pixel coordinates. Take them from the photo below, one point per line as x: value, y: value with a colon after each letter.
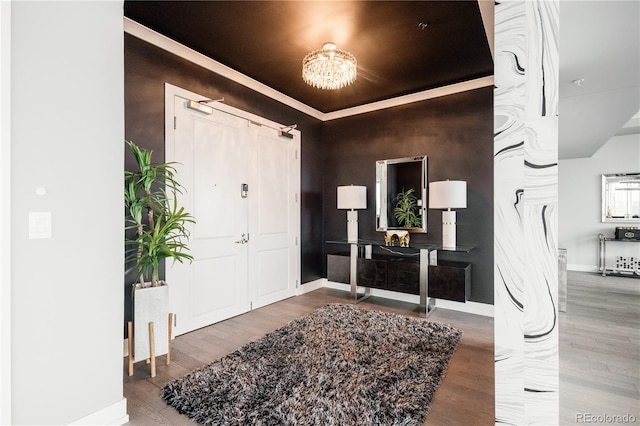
x: 456, y: 133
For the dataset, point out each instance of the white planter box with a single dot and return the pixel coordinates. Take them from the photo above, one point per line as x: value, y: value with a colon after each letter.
x: 151, y: 304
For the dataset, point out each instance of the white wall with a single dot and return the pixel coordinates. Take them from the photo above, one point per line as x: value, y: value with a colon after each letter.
x: 5, y: 208
x: 67, y: 122
x: 581, y: 206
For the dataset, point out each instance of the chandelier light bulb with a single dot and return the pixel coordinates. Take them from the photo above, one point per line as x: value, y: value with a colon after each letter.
x: 329, y: 68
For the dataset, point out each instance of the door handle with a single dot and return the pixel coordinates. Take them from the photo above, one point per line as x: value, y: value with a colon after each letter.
x: 243, y: 240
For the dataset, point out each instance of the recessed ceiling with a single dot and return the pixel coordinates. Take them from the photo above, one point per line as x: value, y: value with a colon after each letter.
x: 408, y: 47
x: 402, y: 47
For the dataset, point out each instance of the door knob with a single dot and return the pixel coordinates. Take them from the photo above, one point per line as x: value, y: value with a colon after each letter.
x: 243, y: 240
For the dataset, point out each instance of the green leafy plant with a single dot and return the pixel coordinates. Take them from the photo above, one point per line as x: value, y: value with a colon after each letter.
x: 151, y: 198
x: 405, y: 209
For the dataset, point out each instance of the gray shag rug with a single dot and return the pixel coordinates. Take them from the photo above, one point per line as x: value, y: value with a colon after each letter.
x: 339, y: 365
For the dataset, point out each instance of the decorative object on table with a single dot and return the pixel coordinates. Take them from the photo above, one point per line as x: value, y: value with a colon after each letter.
x: 400, y: 237
x: 160, y: 227
x: 627, y: 233
x: 350, y: 198
x: 338, y: 365
x: 406, y: 211
x: 627, y: 264
x: 329, y: 68
x: 449, y: 194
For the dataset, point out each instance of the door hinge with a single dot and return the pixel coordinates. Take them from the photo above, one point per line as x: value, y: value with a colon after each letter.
x: 175, y: 122
x: 175, y: 320
x: 296, y: 154
x: 296, y: 197
x: 251, y: 306
x: 296, y: 240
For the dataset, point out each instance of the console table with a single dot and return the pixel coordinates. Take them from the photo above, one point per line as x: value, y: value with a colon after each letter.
x: 397, y: 269
x: 602, y: 261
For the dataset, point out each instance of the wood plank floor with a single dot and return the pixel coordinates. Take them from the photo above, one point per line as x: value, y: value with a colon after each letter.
x: 599, y: 354
x: 600, y: 349
x: 465, y: 397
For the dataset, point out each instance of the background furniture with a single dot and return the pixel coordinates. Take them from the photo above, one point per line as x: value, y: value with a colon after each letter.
x: 621, y: 272
x: 562, y: 280
x: 412, y: 270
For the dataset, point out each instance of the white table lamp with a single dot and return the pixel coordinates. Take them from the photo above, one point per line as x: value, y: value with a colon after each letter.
x: 449, y: 194
x: 351, y: 198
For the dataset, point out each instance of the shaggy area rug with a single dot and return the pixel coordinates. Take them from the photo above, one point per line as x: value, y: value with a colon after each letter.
x: 339, y: 365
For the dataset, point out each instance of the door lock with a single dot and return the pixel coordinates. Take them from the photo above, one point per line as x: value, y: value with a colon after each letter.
x: 244, y: 190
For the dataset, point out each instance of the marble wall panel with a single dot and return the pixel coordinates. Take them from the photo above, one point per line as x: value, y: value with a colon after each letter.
x: 525, y: 217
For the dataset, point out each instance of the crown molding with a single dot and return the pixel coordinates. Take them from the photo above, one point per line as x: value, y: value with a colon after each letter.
x: 156, y: 39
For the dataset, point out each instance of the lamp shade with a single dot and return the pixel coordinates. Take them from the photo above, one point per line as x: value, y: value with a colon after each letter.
x: 352, y: 197
x: 448, y: 194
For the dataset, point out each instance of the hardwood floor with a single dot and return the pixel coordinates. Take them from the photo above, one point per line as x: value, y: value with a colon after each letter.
x: 600, y: 349
x: 465, y: 397
x: 599, y: 355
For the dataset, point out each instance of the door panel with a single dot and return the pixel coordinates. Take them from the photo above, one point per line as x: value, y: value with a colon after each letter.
x: 271, y: 280
x: 209, y: 150
x: 216, y: 172
x: 273, y: 268
x: 214, y: 281
x: 273, y: 186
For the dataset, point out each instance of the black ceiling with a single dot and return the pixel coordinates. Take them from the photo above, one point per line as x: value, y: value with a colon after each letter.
x: 266, y: 40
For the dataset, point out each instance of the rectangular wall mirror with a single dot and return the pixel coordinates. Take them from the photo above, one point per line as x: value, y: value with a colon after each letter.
x: 621, y: 197
x: 401, y: 194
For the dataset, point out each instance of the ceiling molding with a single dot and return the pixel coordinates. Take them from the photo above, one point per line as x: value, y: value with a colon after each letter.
x: 156, y: 39
x: 487, y: 8
x: 413, y: 97
x: 152, y: 37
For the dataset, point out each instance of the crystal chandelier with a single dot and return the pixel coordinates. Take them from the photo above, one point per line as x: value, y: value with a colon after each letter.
x: 329, y: 68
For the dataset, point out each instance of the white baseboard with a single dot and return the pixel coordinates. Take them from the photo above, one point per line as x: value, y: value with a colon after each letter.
x: 115, y: 414
x: 311, y: 286
x: 581, y: 268
x: 476, y: 308
x: 484, y: 309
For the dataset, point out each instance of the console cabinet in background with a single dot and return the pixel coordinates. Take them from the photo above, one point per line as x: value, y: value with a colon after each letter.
x: 450, y: 280
x: 447, y: 280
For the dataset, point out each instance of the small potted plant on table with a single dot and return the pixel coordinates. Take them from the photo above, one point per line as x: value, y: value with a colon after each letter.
x: 405, y: 214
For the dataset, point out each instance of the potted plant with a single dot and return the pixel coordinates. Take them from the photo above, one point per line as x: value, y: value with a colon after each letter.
x: 160, y: 228
x: 405, y: 209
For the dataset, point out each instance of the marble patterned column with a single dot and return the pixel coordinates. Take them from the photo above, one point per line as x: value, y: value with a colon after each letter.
x: 525, y: 212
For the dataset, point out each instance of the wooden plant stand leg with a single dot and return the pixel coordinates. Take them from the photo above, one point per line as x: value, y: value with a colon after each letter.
x: 130, y: 347
x: 169, y: 330
x: 152, y: 349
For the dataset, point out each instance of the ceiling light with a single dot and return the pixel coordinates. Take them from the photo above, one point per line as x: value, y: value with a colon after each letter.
x: 329, y: 68
x: 578, y: 82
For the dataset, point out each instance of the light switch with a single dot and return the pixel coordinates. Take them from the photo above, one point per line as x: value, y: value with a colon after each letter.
x: 39, y: 225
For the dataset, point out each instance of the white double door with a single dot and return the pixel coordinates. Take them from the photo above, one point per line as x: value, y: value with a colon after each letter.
x: 241, y: 183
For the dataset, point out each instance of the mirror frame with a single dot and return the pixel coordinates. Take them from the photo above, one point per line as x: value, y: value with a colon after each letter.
x: 607, y: 181
x: 382, y: 189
